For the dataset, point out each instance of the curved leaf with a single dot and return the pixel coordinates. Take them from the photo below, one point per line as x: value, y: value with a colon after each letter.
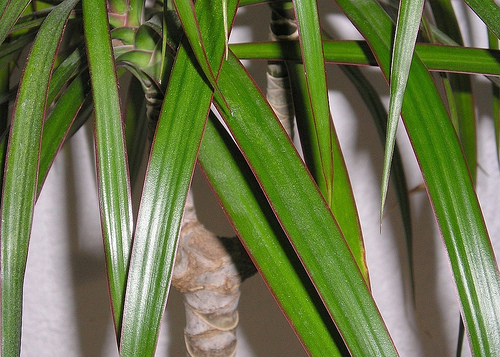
x: 21, y: 169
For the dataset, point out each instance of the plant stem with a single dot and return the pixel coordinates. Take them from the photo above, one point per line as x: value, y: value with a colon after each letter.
x: 208, y: 271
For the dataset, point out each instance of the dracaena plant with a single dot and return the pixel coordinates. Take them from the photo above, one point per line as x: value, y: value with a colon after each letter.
x: 295, y: 215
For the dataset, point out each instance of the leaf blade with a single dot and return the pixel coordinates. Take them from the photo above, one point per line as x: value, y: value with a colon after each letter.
x: 302, y: 212
x: 172, y: 159
x: 456, y: 207
x: 20, y: 181
x: 246, y: 206
x: 410, y: 13
x: 315, y: 78
x: 113, y: 182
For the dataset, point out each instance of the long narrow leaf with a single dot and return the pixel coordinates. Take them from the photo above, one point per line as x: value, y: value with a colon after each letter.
x: 302, y: 212
x: 11, y: 12
x: 461, y: 102
x: 246, y: 207
x: 20, y: 181
x: 342, y: 203
x: 58, y: 124
x: 489, y: 12
x: 187, y: 15
x: 495, y: 91
x: 316, y: 144
x: 436, y: 58
x: 314, y: 65
x: 410, y: 13
x: 176, y: 143
x: 379, y: 115
x: 455, y: 205
x: 114, y: 187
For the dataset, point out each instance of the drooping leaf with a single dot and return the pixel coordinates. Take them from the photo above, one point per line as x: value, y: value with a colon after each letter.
x: 112, y: 176
x: 302, y: 212
x: 21, y: 170
x: 176, y: 143
x: 410, y: 13
x: 247, y: 208
x: 441, y: 161
x: 379, y: 115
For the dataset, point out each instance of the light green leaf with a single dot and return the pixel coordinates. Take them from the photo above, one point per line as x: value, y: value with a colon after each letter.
x: 410, y: 13
x: 21, y: 169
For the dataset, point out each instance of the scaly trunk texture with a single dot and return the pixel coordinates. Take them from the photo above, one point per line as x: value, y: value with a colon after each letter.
x: 208, y: 271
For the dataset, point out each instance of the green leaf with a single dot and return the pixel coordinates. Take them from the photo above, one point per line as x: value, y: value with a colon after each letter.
x: 11, y: 10
x: 342, y: 200
x: 58, y: 124
x: 187, y: 15
x: 302, y: 212
x: 112, y: 176
x: 435, y: 57
x: 410, y: 13
x: 175, y: 146
x: 21, y: 169
x: 379, y: 115
x: 314, y: 65
x: 441, y: 161
x: 251, y: 216
x: 489, y: 12
x: 495, y: 91
x: 458, y: 87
